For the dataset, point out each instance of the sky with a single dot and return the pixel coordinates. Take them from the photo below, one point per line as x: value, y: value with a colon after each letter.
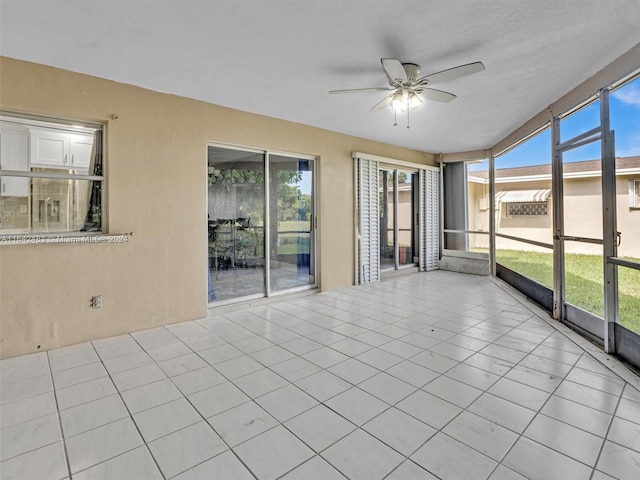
x: 624, y: 106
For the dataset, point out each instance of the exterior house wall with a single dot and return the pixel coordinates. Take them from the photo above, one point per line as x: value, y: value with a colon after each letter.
x: 404, y: 217
x: 583, y: 217
x: 156, y: 169
x: 628, y: 219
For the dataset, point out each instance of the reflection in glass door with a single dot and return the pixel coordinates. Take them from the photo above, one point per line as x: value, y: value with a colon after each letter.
x: 405, y: 209
x: 290, y: 223
x: 250, y: 214
x: 235, y: 223
x: 387, y: 208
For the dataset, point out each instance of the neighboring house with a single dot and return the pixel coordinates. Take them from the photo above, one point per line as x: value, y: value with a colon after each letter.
x: 523, y: 205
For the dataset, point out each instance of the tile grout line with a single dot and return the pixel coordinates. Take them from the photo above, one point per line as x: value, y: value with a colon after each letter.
x: 517, y: 363
x: 443, y: 374
x: 146, y: 444
x: 353, y: 385
x: 395, y: 322
x: 64, y: 440
x: 119, y: 393
x: 539, y: 412
x: 229, y: 448
x: 606, y: 435
x: 572, y: 336
x: 441, y: 430
x: 323, y: 403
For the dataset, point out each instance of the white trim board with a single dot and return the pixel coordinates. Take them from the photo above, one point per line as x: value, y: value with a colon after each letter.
x: 393, y: 161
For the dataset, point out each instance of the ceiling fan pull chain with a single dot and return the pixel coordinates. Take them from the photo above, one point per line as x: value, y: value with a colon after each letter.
x: 408, y: 113
x: 395, y: 118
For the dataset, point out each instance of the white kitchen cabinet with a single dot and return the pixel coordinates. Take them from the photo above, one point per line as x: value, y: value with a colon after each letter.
x: 68, y: 151
x: 80, y: 147
x: 14, y: 155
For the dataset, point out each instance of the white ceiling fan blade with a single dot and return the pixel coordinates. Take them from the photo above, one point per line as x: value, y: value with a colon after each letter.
x: 382, y: 103
x: 436, y: 95
x: 452, y: 73
x: 394, y: 69
x: 358, y: 90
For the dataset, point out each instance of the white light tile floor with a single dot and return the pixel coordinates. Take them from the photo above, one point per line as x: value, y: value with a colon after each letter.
x: 427, y: 376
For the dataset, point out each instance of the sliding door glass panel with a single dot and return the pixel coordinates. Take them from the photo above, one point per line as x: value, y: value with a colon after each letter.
x: 528, y: 260
x: 582, y: 191
x: 386, y: 209
x: 584, y: 284
x: 405, y: 218
x: 235, y: 223
x: 291, y: 217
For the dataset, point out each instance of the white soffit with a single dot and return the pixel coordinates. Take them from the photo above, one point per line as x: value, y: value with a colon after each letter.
x: 280, y: 58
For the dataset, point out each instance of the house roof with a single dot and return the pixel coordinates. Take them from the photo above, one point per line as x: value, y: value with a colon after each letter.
x: 280, y: 58
x: 574, y: 169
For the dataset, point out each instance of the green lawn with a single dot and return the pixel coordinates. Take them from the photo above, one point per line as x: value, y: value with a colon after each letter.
x: 289, y: 243
x: 584, y: 281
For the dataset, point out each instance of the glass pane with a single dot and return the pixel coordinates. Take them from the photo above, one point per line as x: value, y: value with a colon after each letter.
x: 291, y: 209
x: 65, y: 149
x: 53, y: 206
x: 455, y: 211
x: 405, y: 218
x: 584, y: 284
x: 523, y: 191
x: 625, y: 121
x: 235, y: 223
x: 629, y: 298
x: 455, y: 241
x: 582, y: 192
x: 528, y: 260
x: 581, y: 121
x: 478, y: 205
x: 624, y: 107
x: 386, y: 208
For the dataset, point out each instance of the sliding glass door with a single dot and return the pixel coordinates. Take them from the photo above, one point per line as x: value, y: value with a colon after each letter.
x: 398, y: 216
x: 291, y: 223
x: 257, y: 204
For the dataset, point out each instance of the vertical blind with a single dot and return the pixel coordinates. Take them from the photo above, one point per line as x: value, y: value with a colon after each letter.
x: 368, y: 237
x: 429, y: 225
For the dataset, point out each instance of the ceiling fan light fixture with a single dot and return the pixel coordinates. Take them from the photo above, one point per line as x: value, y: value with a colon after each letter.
x: 409, y: 88
x: 398, y: 102
x: 414, y: 101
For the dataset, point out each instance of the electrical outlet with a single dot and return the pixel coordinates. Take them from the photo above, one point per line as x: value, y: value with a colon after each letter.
x: 96, y: 301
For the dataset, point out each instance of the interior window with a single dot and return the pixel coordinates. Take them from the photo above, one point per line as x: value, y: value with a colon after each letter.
x: 51, y: 177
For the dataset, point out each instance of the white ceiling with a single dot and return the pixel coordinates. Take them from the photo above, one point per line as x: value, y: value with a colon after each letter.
x: 281, y: 57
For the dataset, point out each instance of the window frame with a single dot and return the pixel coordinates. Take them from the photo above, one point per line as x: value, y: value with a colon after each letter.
x: 634, y: 194
x: 27, y: 235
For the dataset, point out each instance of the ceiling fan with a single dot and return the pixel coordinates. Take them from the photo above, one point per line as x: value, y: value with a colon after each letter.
x: 409, y: 89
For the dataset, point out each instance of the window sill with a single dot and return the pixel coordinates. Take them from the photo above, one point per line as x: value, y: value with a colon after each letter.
x: 35, y: 239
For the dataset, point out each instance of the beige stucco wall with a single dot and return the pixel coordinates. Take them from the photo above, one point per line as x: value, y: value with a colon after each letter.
x: 156, y: 170
x: 583, y: 217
